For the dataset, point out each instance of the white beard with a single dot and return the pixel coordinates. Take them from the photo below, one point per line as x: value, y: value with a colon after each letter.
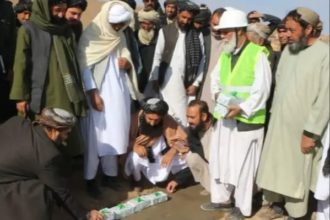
x: 230, y: 46
x: 145, y: 37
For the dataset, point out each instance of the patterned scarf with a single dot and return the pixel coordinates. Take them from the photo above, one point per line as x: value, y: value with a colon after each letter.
x: 193, y: 56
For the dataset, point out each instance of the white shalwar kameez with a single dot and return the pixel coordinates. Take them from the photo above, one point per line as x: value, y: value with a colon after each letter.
x: 154, y: 172
x: 173, y: 90
x: 106, y: 133
x: 322, y: 193
x: 234, y: 155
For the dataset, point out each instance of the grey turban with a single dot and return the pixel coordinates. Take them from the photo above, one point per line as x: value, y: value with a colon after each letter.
x: 261, y: 29
x: 155, y: 105
x: 56, y: 118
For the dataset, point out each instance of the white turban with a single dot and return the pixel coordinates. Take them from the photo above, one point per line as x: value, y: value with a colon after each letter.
x: 119, y: 14
x: 152, y: 16
x: 261, y: 29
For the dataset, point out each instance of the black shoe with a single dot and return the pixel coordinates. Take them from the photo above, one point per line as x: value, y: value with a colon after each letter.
x: 111, y: 182
x: 235, y: 214
x: 93, y: 190
x: 216, y: 206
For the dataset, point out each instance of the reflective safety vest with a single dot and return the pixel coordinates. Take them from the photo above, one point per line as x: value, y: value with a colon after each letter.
x: 238, y: 82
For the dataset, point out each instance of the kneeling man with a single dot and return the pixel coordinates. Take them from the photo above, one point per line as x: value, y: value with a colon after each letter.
x: 156, y: 142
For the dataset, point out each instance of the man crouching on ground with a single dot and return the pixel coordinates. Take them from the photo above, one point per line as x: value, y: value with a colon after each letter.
x: 157, y: 142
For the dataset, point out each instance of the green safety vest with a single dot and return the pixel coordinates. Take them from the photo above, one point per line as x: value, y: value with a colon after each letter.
x: 238, y: 82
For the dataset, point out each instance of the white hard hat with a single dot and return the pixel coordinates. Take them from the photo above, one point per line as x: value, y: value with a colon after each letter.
x: 232, y: 18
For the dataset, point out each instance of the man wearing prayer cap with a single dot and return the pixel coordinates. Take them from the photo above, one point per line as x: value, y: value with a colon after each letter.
x: 30, y: 167
x: 73, y: 15
x: 110, y: 84
x: 299, y: 117
x: 171, y: 10
x: 147, y: 37
x: 156, y: 141
x: 179, y: 61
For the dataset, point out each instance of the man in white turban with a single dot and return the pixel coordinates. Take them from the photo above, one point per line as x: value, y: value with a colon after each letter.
x: 110, y: 83
x: 147, y: 38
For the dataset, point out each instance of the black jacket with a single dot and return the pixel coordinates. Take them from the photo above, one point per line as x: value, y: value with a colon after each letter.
x: 30, y: 174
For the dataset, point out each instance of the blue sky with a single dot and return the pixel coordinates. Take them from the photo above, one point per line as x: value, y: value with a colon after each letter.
x: 276, y: 7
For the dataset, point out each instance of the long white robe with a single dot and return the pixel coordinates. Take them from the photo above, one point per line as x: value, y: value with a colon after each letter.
x: 154, y: 172
x: 322, y: 193
x: 216, y: 49
x: 301, y: 102
x: 106, y: 133
x: 173, y: 90
x: 234, y: 155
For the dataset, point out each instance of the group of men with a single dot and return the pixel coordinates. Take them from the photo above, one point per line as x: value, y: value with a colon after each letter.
x: 180, y: 96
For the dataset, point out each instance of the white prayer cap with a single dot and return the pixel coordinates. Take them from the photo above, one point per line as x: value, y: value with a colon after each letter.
x: 119, y: 14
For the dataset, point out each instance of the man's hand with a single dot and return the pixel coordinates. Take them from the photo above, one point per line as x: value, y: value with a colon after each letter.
x: 22, y: 107
x: 143, y: 140
x: 94, y: 215
x: 307, y: 144
x: 234, y: 110
x: 168, y: 158
x: 192, y: 90
x: 140, y: 150
x: 96, y: 100
x: 171, y: 186
x: 124, y: 64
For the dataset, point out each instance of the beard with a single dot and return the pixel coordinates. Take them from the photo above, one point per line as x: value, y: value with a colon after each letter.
x: 198, y: 129
x: 149, y: 130
x: 145, y: 37
x: 230, y: 45
x: 296, y: 47
x: 59, y: 21
x: 183, y: 26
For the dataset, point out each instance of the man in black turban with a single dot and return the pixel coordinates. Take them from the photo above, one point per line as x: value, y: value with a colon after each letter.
x: 156, y: 140
x: 73, y: 13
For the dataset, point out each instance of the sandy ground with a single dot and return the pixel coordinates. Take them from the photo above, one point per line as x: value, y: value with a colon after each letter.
x: 182, y: 205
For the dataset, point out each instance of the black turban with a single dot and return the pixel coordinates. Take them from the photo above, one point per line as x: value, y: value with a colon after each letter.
x: 170, y: 2
x: 156, y: 106
x: 203, y: 16
x: 186, y: 5
x: 77, y: 3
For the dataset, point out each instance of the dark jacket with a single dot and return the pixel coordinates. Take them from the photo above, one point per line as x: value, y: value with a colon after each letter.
x: 30, y: 174
x: 147, y: 55
x: 7, y: 51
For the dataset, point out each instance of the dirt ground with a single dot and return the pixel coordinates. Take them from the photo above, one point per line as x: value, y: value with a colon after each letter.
x: 182, y: 205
